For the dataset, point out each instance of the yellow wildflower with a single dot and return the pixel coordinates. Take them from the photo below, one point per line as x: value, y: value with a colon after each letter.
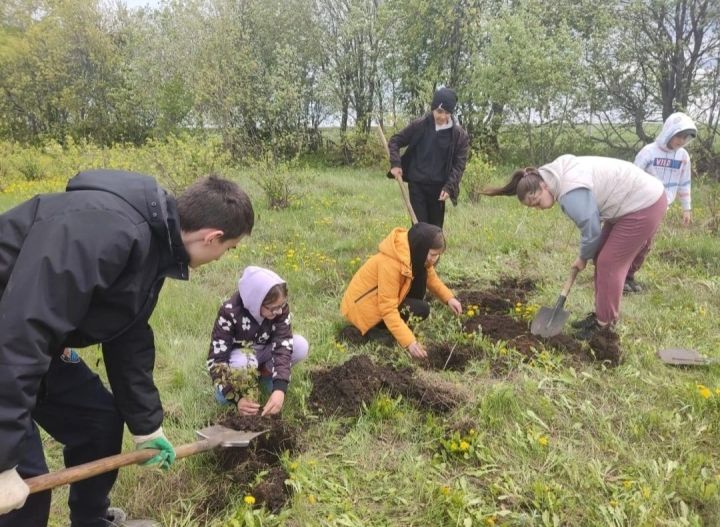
x: 543, y: 440
x: 464, y: 445
x: 312, y: 500
x: 250, y: 500
x: 704, y: 391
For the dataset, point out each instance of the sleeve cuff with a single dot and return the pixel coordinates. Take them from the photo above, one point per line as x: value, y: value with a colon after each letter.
x: 281, y: 385
x: 141, y: 439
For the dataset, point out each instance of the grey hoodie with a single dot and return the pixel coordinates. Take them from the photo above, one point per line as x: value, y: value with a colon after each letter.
x: 671, y: 167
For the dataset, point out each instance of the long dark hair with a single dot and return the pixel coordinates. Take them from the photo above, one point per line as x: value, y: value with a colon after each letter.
x: 523, y: 182
x: 422, y: 237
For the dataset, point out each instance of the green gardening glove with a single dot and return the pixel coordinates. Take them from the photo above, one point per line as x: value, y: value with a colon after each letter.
x: 158, y: 441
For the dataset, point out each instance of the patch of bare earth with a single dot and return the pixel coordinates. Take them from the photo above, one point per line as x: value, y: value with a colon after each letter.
x: 343, y: 390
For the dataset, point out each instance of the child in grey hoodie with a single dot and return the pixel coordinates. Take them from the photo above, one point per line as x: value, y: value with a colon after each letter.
x: 253, y: 331
x: 667, y: 160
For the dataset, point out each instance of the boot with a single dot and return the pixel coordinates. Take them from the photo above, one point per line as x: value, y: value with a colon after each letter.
x: 589, y: 321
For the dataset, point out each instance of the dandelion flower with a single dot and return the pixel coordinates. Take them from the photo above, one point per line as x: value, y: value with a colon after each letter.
x: 704, y: 391
x: 464, y: 445
x: 543, y: 440
x: 250, y: 500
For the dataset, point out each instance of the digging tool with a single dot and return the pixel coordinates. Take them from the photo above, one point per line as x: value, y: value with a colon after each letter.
x: 684, y: 357
x: 403, y: 190
x: 210, y: 437
x: 549, y: 321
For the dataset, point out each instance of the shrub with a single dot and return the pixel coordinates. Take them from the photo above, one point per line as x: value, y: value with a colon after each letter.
x: 478, y: 174
x: 275, y: 180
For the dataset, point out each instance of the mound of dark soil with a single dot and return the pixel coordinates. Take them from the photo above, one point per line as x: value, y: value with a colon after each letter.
x: 262, y: 455
x: 343, y: 390
x: 605, y: 345
x: 500, y: 298
x: 452, y: 357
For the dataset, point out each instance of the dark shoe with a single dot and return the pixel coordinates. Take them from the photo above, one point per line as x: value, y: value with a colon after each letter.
x: 588, y: 332
x: 381, y: 336
x: 586, y: 322
x: 631, y: 286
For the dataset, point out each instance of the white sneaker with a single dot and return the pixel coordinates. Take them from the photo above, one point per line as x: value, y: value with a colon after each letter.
x: 116, y: 517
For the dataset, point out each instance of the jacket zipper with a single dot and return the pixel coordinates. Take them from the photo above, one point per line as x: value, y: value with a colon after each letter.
x: 366, y: 293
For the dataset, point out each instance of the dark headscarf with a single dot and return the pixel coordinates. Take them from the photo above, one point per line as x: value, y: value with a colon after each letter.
x: 420, y: 238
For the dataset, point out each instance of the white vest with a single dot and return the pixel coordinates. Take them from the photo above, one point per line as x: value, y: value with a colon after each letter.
x: 619, y: 187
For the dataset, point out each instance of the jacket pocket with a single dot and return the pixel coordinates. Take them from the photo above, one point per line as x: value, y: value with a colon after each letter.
x: 366, y: 293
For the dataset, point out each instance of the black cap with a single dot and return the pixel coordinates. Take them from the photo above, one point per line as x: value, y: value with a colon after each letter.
x: 444, y: 98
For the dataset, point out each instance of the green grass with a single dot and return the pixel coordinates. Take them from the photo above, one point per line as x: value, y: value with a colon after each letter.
x: 553, y: 444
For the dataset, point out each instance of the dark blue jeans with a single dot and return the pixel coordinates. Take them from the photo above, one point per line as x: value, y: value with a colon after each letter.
x: 78, y: 411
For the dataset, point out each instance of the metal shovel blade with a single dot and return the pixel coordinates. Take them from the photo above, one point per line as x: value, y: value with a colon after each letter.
x: 549, y: 322
x: 684, y: 357
x: 227, y: 437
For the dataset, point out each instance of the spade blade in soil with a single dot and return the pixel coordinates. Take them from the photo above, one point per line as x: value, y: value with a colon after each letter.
x: 549, y: 322
x: 684, y: 357
x: 227, y: 437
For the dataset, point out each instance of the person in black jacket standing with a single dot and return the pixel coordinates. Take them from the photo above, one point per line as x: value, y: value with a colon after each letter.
x: 434, y: 161
x: 85, y: 267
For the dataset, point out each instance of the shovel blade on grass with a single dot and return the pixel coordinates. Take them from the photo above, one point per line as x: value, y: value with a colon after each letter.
x: 549, y: 322
x: 683, y: 357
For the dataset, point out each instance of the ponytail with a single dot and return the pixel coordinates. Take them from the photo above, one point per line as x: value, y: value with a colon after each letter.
x: 523, y: 182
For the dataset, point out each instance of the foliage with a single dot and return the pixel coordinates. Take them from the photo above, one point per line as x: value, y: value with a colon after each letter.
x: 275, y: 179
x: 478, y: 175
x: 267, y: 75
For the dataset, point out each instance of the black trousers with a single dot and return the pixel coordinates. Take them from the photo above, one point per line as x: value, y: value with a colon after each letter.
x: 414, y: 307
x: 424, y: 200
x: 79, y: 412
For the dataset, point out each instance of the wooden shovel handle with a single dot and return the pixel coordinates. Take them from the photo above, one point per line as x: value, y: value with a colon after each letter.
x: 106, y: 464
x: 403, y: 190
x: 569, y: 282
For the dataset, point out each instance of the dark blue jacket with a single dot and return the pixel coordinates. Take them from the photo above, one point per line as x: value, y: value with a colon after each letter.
x: 78, y: 268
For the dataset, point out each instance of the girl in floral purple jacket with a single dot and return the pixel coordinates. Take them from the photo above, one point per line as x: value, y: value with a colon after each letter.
x: 253, y: 332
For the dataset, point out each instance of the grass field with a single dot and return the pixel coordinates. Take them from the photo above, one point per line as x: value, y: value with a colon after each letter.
x: 548, y: 443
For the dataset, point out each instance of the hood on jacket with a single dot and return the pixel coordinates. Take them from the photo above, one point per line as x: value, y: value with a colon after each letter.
x: 254, y: 286
x: 138, y: 190
x: 396, y: 246
x: 676, y: 123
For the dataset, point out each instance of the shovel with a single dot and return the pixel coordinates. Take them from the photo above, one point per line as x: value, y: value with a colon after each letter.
x: 210, y: 437
x: 684, y: 357
x: 403, y: 190
x: 549, y: 321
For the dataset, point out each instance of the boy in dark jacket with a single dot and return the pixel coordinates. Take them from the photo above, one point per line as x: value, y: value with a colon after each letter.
x: 434, y: 161
x: 85, y: 267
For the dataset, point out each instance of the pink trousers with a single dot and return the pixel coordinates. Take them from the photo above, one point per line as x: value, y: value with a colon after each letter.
x: 624, y: 243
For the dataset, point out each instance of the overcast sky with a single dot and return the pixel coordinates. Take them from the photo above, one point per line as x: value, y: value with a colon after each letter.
x: 141, y: 3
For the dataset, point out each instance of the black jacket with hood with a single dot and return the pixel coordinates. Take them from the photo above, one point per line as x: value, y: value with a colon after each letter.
x: 78, y: 268
x: 411, y: 136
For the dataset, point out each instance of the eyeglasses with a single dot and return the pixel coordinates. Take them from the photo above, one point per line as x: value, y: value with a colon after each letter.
x: 277, y: 310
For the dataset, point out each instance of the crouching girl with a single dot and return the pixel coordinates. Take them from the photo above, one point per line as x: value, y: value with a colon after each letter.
x: 253, y: 335
x: 390, y: 287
